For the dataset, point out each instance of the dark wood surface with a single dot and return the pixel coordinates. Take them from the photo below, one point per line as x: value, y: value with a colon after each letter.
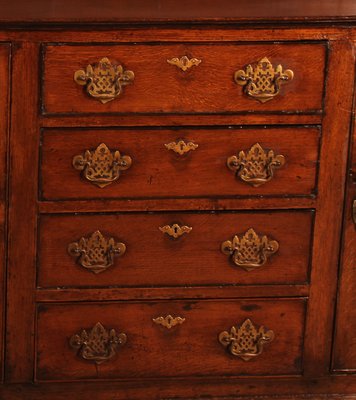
x: 4, y: 119
x: 84, y: 11
x: 206, y: 88
x: 159, y: 172
x: 194, y: 259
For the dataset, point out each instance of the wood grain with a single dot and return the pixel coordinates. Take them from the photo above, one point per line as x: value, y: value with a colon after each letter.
x: 159, y: 172
x: 207, y: 88
x: 190, y: 349
x: 155, y: 259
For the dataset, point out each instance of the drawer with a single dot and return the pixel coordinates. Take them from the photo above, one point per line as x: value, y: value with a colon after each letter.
x: 139, y: 163
x: 136, y: 78
x: 174, y: 249
x: 169, y: 338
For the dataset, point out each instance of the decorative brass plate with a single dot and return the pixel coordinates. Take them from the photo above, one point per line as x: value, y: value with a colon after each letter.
x: 262, y: 82
x: 181, y: 147
x: 103, y: 80
x: 99, y: 344
x: 101, y: 166
x: 255, y: 167
x: 168, y: 322
x: 246, y: 341
x: 250, y: 251
x: 175, y: 230
x: 96, y: 253
x: 184, y: 63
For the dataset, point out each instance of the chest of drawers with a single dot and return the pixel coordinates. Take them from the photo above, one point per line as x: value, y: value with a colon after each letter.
x: 175, y: 200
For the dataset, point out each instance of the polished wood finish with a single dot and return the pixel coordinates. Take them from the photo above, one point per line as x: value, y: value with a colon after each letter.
x: 154, y: 351
x: 158, y: 172
x: 207, y: 88
x: 4, y: 125
x: 194, y: 259
x: 50, y: 203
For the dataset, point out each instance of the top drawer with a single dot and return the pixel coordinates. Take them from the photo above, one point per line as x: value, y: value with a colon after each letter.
x: 223, y: 78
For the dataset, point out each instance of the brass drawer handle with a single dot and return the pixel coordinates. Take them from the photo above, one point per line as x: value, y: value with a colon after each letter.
x: 168, y: 322
x: 175, y: 230
x: 99, y: 345
x: 181, y: 147
x: 184, y: 63
x: 103, y: 80
x: 246, y: 341
x: 101, y: 166
x: 96, y: 253
x: 250, y: 251
x: 262, y: 81
x: 256, y: 166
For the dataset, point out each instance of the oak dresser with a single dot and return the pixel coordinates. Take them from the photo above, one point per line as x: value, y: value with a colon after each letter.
x: 176, y: 200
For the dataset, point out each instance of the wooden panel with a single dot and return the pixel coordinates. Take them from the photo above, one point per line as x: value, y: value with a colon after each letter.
x: 207, y: 88
x: 4, y: 118
x: 152, y: 350
x: 155, y: 259
x: 159, y: 172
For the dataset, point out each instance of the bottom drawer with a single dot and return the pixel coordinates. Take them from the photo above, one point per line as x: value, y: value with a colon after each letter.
x: 170, y: 339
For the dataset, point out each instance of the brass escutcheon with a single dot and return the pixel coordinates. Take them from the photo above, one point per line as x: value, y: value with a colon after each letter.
x: 246, y: 341
x: 99, y: 345
x: 175, y: 230
x: 180, y: 147
x: 250, y: 251
x: 103, y: 80
x: 96, y: 253
x: 256, y: 166
x: 101, y: 166
x: 262, y: 81
x: 168, y: 322
x: 184, y: 63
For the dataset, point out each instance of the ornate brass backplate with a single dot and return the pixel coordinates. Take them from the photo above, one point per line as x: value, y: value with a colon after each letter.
x: 101, y: 166
x: 99, y: 344
x: 184, y: 63
x: 168, y: 322
x: 96, y: 253
x: 181, y: 147
x: 246, y: 341
x: 250, y: 251
x: 175, y: 230
x: 103, y: 80
x: 262, y: 81
x: 256, y: 166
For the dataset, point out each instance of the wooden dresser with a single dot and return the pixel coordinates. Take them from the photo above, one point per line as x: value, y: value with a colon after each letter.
x: 176, y: 200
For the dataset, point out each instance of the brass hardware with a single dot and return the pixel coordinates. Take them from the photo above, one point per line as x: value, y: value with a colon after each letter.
x: 354, y: 211
x: 250, y: 251
x: 184, y: 63
x: 101, y: 166
x: 257, y: 166
x: 246, y: 341
x: 263, y: 81
x: 96, y: 253
x: 103, y: 80
x: 98, y: 345
x: 181, y: 147
x: 175, y: 230
x: 168, y: 321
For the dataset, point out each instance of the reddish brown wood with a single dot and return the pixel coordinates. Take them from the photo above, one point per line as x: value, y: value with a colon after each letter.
x: 327, y: 232
x: 159, y: 172
x: 207, y: 88
x: 155, y: 259
x: 4, y: 118
x: 171, y: 11
x: 24, y: 144
x: 188, y: 349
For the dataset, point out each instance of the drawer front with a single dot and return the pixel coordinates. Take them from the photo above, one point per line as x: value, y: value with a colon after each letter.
x: 195, y: 339
x: 89, y: 164
x: 147, y: 83
x: 150, y: 250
